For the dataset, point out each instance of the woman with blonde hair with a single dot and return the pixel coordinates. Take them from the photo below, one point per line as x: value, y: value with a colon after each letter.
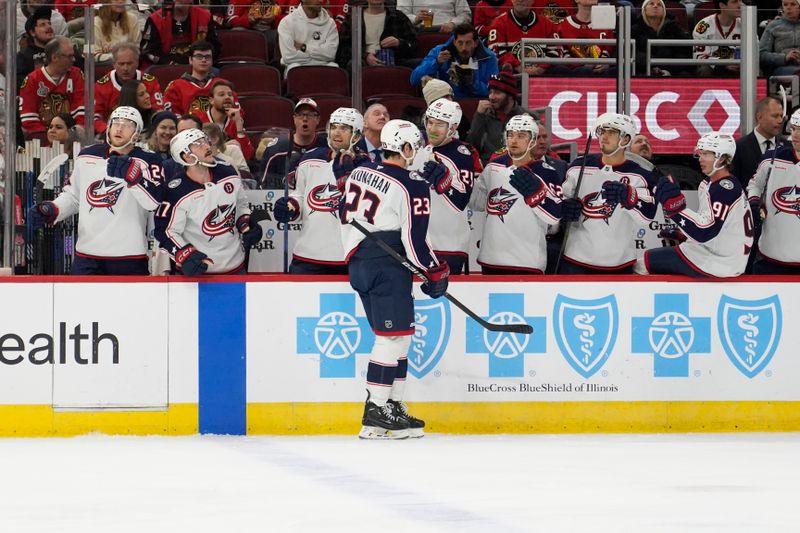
x: 653, y: 22
x: 114, y: 23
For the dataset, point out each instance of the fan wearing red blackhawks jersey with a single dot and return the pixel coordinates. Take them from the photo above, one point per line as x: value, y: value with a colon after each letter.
x: 579, y: 26
x: 448, y: 229
x: 113, y: 190
x: 190, y: 93
x: 394, y: 204
x: 520, y: 199
x: 106, y: 94
x: 203, y: 221
x: 316, y: 196
x: 507, y: 31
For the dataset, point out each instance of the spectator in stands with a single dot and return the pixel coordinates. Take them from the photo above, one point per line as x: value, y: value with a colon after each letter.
x: 134, y: 94
x: 163, y: 128
x: 723, y: 25
x: 383, y: 28
x: 308, y: 37
x: 261, y: 15
x: 640, y: 145
x: 489, y: 122
x: 51, y: 89
x: 779, y: 47
x: 225, y: 112
x: 113, y: 24
x: 62, y: 128
x: 228, y: 151
x: 38, y: 31
x: 434, y: 89
x: 765, y: 137
x: 541, y: 152
x: 304, y: 138
x: 170, y: 32
x: 463, y: 61
x: 188, y: 121
x: 655, y: 23
x: 26, y: 8
x: 484, y: 13
x: 447, y: 14
x: 521, y: 22
x: 190, y: 92
x: 579, y: 26
x: 375, y: 118
x: 107, y: 89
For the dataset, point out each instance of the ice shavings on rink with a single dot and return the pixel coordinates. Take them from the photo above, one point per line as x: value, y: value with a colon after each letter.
x: 580, y: 483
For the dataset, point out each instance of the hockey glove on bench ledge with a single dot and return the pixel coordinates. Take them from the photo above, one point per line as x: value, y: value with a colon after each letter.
x: 436, y: 285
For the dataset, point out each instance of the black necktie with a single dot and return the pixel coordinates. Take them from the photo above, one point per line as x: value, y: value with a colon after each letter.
x: 376, y: 155
x: 767, y: 146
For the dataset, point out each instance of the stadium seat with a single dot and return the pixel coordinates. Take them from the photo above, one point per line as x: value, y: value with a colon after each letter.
x: 396, y: 105
x: 678, y: 10
x: 253, y: 78
x: 427, y: 40
x: 701, y: 11
x: 317, y: 81
x: 383, y: 81
x: 166, y: 73
x: 469, y: 106
x: 242, y: 45
x: 264, y: 112
x: 101, y: 69
x: 328, y: 104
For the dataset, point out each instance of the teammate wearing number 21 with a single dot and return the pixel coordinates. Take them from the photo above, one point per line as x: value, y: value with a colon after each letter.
x: 718, y: 236
x: 394, y: 204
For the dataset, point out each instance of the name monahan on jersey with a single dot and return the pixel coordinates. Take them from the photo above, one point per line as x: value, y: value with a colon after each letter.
x: 602, y: 236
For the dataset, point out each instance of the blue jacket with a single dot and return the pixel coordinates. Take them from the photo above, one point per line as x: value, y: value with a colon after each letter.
x: 479, y: 86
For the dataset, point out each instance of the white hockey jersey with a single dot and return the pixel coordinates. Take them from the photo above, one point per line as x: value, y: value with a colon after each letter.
x: 316, y: 194
x: 711, y: 28
x: 602, y: 237
x: 721, y: 230
x: 205, y: 216
x: 781, y: 195
x: 113, y: 217
x: 514, y: 233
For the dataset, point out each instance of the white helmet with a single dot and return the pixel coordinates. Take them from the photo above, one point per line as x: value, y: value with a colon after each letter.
x: 397, y: 133
x: 719, y: 144
x: 349, y: 117
x: 446, y: 111
x: 127, y: 113
x: 616, y: 121
x: 181, y: 145
x: 795, y: 120
x: 526, y: 123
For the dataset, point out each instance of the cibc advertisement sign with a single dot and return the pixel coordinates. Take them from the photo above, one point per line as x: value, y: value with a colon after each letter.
x: 672, y: 112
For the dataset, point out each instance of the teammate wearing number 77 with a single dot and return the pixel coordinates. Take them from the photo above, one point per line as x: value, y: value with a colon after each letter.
x: 394, y: 204
x: 718, y: 236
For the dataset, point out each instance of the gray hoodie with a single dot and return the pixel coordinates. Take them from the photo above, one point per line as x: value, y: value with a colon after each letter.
x: 780, y: 36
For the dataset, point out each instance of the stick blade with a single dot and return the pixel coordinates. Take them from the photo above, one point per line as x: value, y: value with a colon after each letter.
x: 525, y: 329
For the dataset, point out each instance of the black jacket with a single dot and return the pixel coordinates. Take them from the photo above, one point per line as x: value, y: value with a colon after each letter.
x: 396, y: 24
x: 642, y: 33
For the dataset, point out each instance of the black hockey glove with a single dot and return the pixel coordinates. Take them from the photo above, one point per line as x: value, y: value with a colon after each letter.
x: 41, y: 214
x: 616, y: 192
x: 125, y: 168
x: 437, y: 282
x: 286, y: 210
x: 437, y: 175
x: 571, y: 209
x: 190, y: 260
x: 251, y: 231
x: 669, y: 195
x: 529, y: 185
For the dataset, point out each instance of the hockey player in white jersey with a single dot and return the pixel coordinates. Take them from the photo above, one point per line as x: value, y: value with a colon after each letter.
x: 718, y: 236
x: 520, y: 200
x: 316, y: 194
x: 113, y: 189
x: 774, y: 196
x: 203, y: 222
x: 449, y: 229
x: 614, y: 197
x: 394, y: 204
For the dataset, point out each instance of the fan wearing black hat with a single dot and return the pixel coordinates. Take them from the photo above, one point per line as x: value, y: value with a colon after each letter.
x: 38, y: 30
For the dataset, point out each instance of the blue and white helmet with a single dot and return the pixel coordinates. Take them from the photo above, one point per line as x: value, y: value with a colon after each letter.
x: 397, y: 133
x: 795, y: 119
x: 127, y: 113
x: 181, y: 144
x: 523, y: 122
x: 616, y: 121
x: 348, y: 116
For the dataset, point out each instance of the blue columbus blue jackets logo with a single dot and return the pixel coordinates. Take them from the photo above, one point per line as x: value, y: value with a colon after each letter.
x: 750, y: 331
x: 336, y: 335
x: 507, y: 350
x: 671, y: 335
x: 586, y: 331
x: 431, y: 332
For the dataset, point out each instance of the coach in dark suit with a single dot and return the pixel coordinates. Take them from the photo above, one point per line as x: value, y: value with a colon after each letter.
x: 751, y: 147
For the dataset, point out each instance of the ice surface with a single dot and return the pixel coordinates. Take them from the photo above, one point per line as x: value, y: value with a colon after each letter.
x: 510, y: 483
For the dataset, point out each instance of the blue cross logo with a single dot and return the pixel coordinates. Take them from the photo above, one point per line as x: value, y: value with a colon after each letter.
x: 336, y: 335
x: 506, y: 350
x: 671, y: 335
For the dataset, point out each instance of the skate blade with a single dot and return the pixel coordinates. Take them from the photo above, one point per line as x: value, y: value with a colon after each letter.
x: 416, y: 433
x: 376, y: 433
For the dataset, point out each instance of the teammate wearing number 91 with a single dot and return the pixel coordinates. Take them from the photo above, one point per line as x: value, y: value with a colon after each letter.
x: 203, y: 222
x: 113, y: 189
x: 718, y: 236
x: 394, y: 204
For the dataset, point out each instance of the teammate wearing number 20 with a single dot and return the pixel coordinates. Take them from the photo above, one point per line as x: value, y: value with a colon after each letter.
x: 395, y: 205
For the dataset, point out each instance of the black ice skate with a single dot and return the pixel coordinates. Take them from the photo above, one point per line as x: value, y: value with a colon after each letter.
x: 416, y: 427
x: 381, y: 422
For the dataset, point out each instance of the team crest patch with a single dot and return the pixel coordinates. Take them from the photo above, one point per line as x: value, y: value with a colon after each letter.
x: 749, y: 331
x: 701, y: 27
x: 173, y: 183
x: 463, y: 149
x: 726, y: 184
x: 41, y: 90
x: 272, y: 142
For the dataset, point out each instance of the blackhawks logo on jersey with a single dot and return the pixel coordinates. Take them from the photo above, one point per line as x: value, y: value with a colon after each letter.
x: 528, y: 51
x: 701, y: 27
x: 52, y: 105
x: 554, y: 12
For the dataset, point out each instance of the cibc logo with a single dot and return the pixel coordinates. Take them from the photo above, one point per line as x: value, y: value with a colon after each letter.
x: 62, y: 348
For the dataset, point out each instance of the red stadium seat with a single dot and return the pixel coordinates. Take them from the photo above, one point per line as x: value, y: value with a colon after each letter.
x: 427, y: 40
x: 701, y: 11
x: 264, y: 112
x: 328, y: 104
x: 469, y: 106
x: 101, y: 69
x: 253, y: 78
x: 166, y: 73
x: 678, y: 10
x: 315, y: 81
x: 383, y: 81
x: 242, y: 45
x: 396, y: 105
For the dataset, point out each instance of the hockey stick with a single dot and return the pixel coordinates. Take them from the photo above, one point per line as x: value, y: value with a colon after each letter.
x: 286, y: 166
x: 577, y: 194
x: 525, y: 329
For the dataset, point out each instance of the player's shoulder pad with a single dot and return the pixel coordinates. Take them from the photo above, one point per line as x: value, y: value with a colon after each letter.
x: 318, y: 153
x: 95, y: 150
x: 591, y: 160
x: 147, y: 155
x: 500, y: 158
x: 223, y: 170
x: 727, y: 189
x: 785, y: 152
